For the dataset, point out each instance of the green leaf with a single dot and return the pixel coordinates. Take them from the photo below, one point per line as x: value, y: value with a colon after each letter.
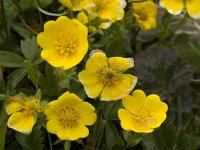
x: 182, y: 142
x: 16, y: 76
x: 132, y: 139
x: 33, y: 141
x: 67, y: 145
x: 113, y: 139
x: 9, y: 59
x: 30, y: 48
x: 33, y: 72
x: 189, y: 50
x: 19, y: 28
x: 165, y: 137
x: 111, y: 110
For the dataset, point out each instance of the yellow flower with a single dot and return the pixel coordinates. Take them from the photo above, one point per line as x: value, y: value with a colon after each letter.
x: 141, y: 113
x: 112, y: 10
x: 104, y: 76
x: 64, y: 42
x: 68, y: 117
x: 23, y: 111
x: 175, y: 7
x: 145, y: 14
x: 76, y: 5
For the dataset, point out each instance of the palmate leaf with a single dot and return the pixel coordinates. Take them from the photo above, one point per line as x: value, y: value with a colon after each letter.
x: 33, y: 141
x: 162, y: 71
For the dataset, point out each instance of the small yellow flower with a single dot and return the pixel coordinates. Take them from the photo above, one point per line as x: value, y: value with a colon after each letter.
x: 145, y: 14
x: 141, y: 113
x: 104, y: 76
x: 23, y: 111
x: 68, y: 116
x: 64, y: 42
x: 76, y: 5
x: 112, y: 10
x: 175, y: 7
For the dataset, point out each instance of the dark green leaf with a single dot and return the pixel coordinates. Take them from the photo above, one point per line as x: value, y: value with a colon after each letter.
x: 9, y: 59
x: 17, y: 27
x: 182, y: 142
x: 30, y: 48
x: 113, y: 139
x: 67, y: 145
x: 33, y: 141
x: 111, y: 110
x: 132, y: 139
x: 16, y: 76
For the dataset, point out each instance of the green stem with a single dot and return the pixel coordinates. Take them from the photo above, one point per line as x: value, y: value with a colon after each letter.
x: 46, y: 12
x: 196, y: 81
x: 3, y: 119
x: 50, y: 142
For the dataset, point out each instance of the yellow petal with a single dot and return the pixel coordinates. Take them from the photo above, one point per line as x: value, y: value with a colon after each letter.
x: 174, y: 7
x: 15, y: 104
x: 96, y: 61
x: 134, y: 102
x: 120, y: 63
x: 53, y: 57
x: 193, y: 8
x: 125, y: 118
x: 86, y: 113
x: 22, y: 122
x: 92, y: 83
x: 154, y: 104
x: 119, y: 89
x: 160, y: 118
x: 67, y: 133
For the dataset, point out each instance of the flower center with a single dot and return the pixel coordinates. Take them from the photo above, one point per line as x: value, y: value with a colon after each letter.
x: 144, y: 119
x: 66, y: 44
x: 109, y: 75
x: 142, y: 14
x: 32, y: 106
x: 69, y: 118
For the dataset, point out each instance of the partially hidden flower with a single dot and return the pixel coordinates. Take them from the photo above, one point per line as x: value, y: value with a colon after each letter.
x: 64, y: 42
x: 68, y: 116
x: 111, y: 10
x: 175, y: 7
x: 145, y: 14
x: 141, y: 113
x: 23, y: 112
x: 105, y: 76
x: 77, y: 5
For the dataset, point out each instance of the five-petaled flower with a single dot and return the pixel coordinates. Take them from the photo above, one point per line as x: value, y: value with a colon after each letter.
x: 104, y: 76
x: 23, y: 111
x: 64, y: 42
x: 141, y: 113
x: 145, y: 14
x: 68, y: 116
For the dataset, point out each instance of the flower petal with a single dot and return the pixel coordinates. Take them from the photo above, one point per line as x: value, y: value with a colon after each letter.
x: 119, y: 89
x: 15, y: 104
x: 125, y: 118
x: 53, y: 57
x: 22, y: 122
x: 134, y: 102
x: 193, y: 8
x: 120, y: 63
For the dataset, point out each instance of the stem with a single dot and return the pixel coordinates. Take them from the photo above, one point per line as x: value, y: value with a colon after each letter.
x: 3, y: 119
x: 27, y: 26
x: 50, y: 143
x: 196, y: 81
x: 46, y: 12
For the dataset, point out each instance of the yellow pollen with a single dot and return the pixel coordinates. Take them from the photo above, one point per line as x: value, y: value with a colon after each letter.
x: 70, y: 117
x: 66, y: 44
x: 32, y: 105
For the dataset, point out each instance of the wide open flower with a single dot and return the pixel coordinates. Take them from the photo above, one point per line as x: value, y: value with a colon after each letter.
x: 68, y: 116
x: 76, y: 5
x: 145, y: 14
x: 23, y: 111
x: 175, y: 7
x: 64, y: 42
x: 141, y: 113
x: 104, y: 76
x: 112, y: 10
